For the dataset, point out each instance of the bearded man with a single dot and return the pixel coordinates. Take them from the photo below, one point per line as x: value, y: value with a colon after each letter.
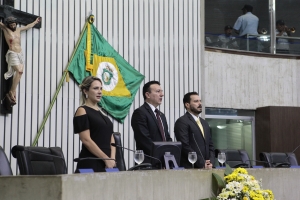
x: 194, y: 134
x: 14, y: 55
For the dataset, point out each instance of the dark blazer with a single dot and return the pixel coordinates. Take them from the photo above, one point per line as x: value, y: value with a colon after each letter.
x: 189, y: 134
x: 146, y: 129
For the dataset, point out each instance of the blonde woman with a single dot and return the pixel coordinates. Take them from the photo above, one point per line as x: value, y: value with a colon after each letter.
x: 94, y: 128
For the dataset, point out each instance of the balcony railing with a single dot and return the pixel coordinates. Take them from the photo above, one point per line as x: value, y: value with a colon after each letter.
x: 254, y: 43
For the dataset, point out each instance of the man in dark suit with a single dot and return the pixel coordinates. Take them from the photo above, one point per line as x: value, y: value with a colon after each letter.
x: 194, y: 134
x: 148, y: 123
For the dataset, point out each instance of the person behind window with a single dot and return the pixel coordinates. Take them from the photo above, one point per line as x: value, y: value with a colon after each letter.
x: 94, y: 128
x: 282, y: 45
x: 247, y: 24
x: 226, y: 40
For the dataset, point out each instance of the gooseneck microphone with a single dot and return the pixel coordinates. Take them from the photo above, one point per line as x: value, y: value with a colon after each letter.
x: 115, y: 145
x: 255, y: 161
x: 22, y: 148
x: 289, y: 154
x: 198, y: 148
x: 62, y: 169
x: 92, y: 158
x: 295, y: 149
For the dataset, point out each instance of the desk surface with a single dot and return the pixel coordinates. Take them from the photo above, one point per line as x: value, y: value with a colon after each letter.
x: 151, y: 184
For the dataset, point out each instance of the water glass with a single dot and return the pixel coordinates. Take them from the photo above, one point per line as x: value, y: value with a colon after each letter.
x: 192, y: 157
x: 139, y: 156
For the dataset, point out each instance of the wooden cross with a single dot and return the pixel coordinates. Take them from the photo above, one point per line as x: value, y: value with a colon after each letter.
x: 6, y: 10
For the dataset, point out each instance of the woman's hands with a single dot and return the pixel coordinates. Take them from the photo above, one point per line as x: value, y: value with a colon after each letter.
x: 110, y: 163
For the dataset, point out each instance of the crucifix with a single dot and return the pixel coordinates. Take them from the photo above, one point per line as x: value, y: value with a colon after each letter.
x: 12, y: 61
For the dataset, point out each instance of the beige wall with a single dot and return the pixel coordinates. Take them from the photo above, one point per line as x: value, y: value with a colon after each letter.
x: 248, y: 82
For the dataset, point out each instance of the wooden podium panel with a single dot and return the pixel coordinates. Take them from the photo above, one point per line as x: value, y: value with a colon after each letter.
x: 277, y: 129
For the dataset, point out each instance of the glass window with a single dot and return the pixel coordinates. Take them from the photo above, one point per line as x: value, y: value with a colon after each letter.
x: 221, y: 17
x: 231, y: 131
x: 287, y: 15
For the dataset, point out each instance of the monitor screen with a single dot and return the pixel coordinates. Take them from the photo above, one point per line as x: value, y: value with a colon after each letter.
x: 159, y: 149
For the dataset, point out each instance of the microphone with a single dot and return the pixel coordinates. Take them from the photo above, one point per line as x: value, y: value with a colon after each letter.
x: 198, y: 148
x: 22, y: 148
x: 115, y: 145
x: 254, y: 161
x: 295, y: 149
x: 289, y: 156
x: 17, y: 148
x: 92, y: 158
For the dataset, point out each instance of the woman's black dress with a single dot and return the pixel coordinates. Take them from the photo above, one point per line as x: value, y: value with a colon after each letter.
x: 101, y: 129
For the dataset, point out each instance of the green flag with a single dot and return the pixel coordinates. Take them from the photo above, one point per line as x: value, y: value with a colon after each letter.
x: 120, y: 81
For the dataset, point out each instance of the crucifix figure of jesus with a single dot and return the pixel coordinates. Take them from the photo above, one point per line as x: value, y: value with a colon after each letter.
x: 14, y: 55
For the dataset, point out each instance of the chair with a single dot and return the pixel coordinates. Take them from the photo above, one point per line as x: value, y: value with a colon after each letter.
x: 5, y: 169
x: 120, y: 156
x: 40, y: 160
x: 235, y: 157
x: 278, y: 159
x: 119, y: 152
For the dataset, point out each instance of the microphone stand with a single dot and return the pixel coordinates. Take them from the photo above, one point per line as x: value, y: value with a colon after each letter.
x: 92, y: 158
x: 199, y: 149
x: 251, y: 166
x: 289, y: 155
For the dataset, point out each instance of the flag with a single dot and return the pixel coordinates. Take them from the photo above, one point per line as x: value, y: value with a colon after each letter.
x: 120, y: 81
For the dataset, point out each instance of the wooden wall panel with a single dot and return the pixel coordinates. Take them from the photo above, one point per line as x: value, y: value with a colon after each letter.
x: 277, y: 129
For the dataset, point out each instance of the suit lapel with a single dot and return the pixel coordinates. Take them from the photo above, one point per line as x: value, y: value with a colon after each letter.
x: 148, y: 108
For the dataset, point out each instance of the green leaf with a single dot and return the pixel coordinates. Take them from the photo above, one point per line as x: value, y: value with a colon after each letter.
x: 217, y: 184
x: 228, y: 170
x: 211, y: 198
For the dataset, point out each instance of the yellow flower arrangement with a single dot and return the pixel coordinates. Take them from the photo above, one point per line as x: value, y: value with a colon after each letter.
x: 242, y: 186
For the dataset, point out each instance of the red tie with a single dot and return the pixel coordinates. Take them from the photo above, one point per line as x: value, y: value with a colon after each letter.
x: 160, y: 124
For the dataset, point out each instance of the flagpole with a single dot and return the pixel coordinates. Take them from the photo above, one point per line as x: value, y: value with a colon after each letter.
x: 60, y: 84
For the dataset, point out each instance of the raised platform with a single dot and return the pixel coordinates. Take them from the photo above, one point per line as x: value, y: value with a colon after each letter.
x: 160, y: 184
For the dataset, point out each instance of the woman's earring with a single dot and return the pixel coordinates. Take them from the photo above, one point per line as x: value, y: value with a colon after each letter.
x: 86, y: 96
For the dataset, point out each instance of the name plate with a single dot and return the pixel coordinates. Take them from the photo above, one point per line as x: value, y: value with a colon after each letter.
x: 111, y: 169
x: 85, y: 171
x: 295, y: 166
x: 258, y: 166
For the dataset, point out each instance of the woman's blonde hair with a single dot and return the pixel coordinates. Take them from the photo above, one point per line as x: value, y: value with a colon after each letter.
x: 85, y: 85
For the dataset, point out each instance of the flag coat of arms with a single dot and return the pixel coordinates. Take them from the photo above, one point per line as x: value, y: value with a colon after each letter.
x: 120, y: 81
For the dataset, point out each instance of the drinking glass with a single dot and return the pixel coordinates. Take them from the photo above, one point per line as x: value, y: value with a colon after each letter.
x: 139, y: 156
x: 222, y: 158
x: 192, y: 158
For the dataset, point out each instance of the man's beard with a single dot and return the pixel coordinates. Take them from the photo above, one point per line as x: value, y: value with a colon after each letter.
x: 194, y: 110
x: 12, y: 29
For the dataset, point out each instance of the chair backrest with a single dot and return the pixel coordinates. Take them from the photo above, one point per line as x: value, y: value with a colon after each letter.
x: 119, y: 152
x: 120, y: 156
x: 235, y: 157
x: 5, y: 169
x: 278, y: 159
x: 40, y: 160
